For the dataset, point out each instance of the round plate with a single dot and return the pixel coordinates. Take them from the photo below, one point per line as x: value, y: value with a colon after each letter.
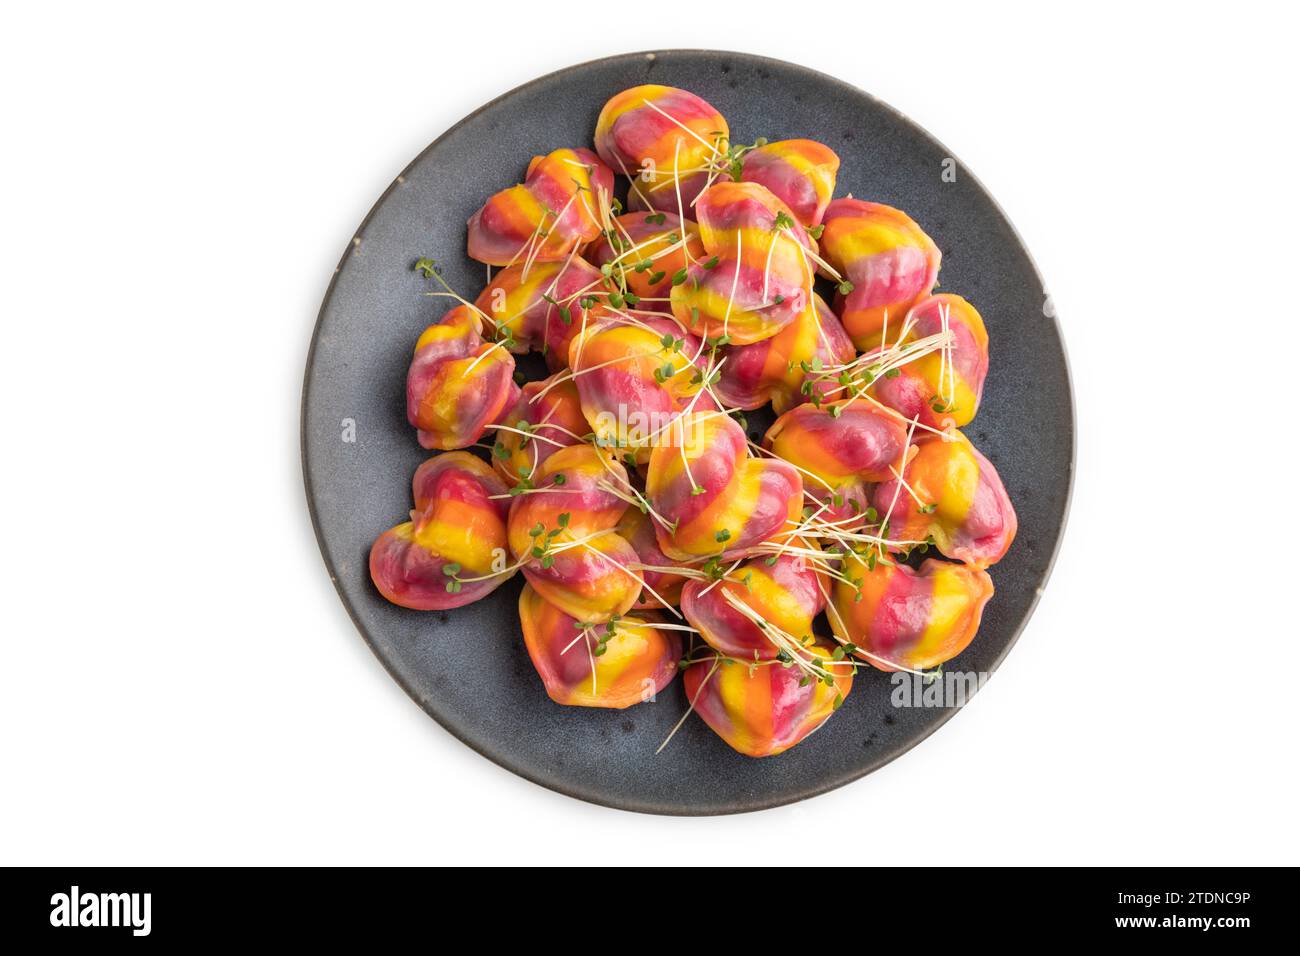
x: 468, y: 668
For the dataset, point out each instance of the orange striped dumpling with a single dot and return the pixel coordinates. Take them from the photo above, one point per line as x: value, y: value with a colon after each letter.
x: 649, y: 250
x: 541, y: 306
x: 840, y: 449
x: 457, y: 384
x: 956, y: 500
x: 634, y: 378
x: 900, y: 619
x: 800, y: 172
x: 781, y: 591
x: 555, y: 209
x: 563, y: 529
x: 762, y: 710
x: 664, y: 140
x: 549, y: 415
x: 453, y: 550
x: 775, y: 370
x: 618, y: 664
x: 757, y: 278
x: 887, y: 259
x: 717, y: 499
x: 944, y: 387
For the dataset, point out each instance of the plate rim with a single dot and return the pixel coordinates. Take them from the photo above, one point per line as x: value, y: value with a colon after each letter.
x: 562, y: 787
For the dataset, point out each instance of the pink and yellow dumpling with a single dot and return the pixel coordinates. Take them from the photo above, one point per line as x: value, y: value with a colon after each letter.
x: 650, y: 249
x: 555, y: 209
x: 634, y: 376
x: 941, y: 388
x: 563, y: 529
x: 840, y: 449
x: 776, y: 369
x: 716, y: 497
x: 550, y: 414
x: 897, y: 618
x: 762, y: 710
x: 780, y: 590
x: 615, y: 665
x: 957, y: 501
x: 453, y: 550
x: 757, y: 278
x: 887, y: 259
x: 665, y: 140
x: 541, y: 307
x: 799, y: 172
x: 457, y: 383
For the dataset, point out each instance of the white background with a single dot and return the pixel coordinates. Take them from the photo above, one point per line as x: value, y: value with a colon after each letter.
x: 180, y: 683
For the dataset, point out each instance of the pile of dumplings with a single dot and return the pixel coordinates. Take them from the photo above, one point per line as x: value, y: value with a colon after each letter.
x: 654, y: 535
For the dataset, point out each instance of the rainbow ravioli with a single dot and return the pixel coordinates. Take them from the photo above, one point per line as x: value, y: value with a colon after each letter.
x: 964, y: 510
x: 551, y: 415
x: 553, y: 211
x: 901, y: 619
x: 799, y: 172
x: 759, y: 275
x: 776, y: 369
x: 764, y: 709
x: 541, y: 307
x: 840, y: 449
x: 457, y: 384
x: 648, y: 250
x: 621, y: 486
x: 635, y: 375
x: 781, y: 591
x: 717, y: 498
x: 614, y: 665
x: 563, y: 532
x: 452, y: 552
x: 665, y: 140
x: 888, y: 260
x: 942, y: 388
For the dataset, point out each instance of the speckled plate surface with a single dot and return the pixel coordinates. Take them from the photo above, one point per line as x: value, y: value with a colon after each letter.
x: 468, y: 668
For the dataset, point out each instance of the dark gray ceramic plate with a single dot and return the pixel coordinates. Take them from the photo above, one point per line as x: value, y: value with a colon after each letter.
x: 468, y: 668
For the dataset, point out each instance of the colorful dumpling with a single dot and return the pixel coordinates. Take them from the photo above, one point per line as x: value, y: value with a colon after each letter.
x: 613, y: 665
x: 887, y: 258
x: 716, y: 497
x: 453, y: 550
x: 565, y: 532
x: 799, y: 172
x: 541, y: 307
x: 541, y: 220
x: 457, y: 384
x: 775, y: 369
x: 841, y: 448
x: 940, y: 388
x: 550, y: 412
x: 905, y: 619
x: 634, y: 378
x: 757, y: 278
x: 649, y: 249
x: 662, y: 586
x: 784, y: 594
x: 664, y: 140
x: 763, y: 710
x: 966, y: 510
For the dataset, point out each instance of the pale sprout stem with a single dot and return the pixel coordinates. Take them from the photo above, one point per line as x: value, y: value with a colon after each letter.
x: 898, y: 488
x: 694, y: 699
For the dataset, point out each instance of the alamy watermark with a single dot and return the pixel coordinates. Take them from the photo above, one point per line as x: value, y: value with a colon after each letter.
x: 76, y: 908
x: 943, y: 689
